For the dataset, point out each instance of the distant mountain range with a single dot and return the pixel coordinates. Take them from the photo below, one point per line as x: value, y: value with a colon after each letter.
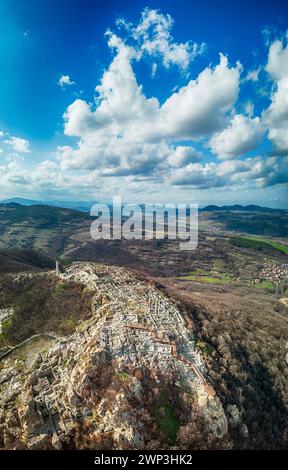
x: 78, y: 205
x: 238, y: 207
x: 55, y: 230
x: 85, y: 206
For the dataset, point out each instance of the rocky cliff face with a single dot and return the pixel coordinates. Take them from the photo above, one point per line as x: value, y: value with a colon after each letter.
x: 129, y: 377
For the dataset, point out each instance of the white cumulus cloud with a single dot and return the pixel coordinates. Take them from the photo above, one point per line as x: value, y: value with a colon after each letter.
x: 65, y: 80
x: 277, y: 65
x: 242, y: 135
x: 18, y: 144
x: 125, y: 131
x: 276, y: 116
x: 153, y: 34
x: 183, y: 154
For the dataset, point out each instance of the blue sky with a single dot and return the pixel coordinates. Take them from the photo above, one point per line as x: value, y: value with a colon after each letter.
x: 170, y: 120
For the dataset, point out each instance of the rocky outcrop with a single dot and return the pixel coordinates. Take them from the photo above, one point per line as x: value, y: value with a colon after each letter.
x: 282, y: 306
x: 129, y: 377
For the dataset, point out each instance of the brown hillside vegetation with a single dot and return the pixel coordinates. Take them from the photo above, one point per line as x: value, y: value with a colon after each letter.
x: 42, y: 305
x: 244, y: 341
x: 19, y: 260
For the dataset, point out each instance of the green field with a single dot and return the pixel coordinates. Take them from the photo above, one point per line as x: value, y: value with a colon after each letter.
x: 200, y: 275
x: 266, y: 285
x: 257, y: 243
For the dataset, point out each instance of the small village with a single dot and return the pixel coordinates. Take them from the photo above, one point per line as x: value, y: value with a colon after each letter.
x: 276, y: 273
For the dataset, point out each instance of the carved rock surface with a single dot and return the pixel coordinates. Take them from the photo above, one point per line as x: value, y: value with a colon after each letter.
x: 114, y: 382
